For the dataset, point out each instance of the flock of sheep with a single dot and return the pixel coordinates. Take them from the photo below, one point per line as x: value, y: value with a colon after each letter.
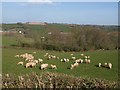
x: 32, y: 62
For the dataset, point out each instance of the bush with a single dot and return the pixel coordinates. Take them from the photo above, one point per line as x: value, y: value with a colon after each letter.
x: 54, y: 80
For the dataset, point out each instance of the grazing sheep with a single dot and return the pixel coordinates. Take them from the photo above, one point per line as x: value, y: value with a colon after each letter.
x: 88, y: 61
x: 44, y: 66
x: 74, y: 65
x: 82, y: 54
x: 71, y: 54
x: 109, y: 65
x: 73, y: 58
x: 85, y: 60
x: 88, y: 57
x: 99, y: 64
x: 57, y: 57
x: 17, y: 56
x: 85, y: 57
x: 105, y: 64
x: 33, y: 64
x: 81, y: 61
x: 40, y: 60
x: 77, y: 61
x: 20, y: 63
x: 53, y: 66
x: 61, y: 60
x: 34, y: 52
x: 28, y: 64
x: 36, y: 61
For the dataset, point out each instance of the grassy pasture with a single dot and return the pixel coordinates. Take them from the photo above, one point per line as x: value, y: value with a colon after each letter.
x: 9, y: 63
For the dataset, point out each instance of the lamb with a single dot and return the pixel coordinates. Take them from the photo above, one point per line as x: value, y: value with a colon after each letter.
x: 34, y: 52
x: 20, y: 63
x: 77, y: 61
x: 99, y: 64
x: 17, y: 56
x: 109, y: 65
x: 30, y: 64
x: 40, y: 60
x: 53, y: 66
x: 81, y: 61
x: 82, y: 54
x: 74, y: 65
x: 44, y: 66
x: 36, y: 61
x: 88, y: 61
x: 73, y: 58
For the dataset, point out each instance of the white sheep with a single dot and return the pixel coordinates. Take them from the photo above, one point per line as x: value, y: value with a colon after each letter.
x: 34, y: 52
x: 88, y: 61
x: 17, y: 56
x: 28, y: 64
x: 85, y: 57
x: 78, y: 61
x: 20, y: 63
x: 40, y: 60
x: 44, y: 66
x: 53, y: 66
x: 109, y: 65
x: 74, y: 65
x: 99, y: 64
x: 73, y: 58
x: 82, y: 54
x: 105, y: 64
x: 61, y: 60
x: 71, y: 54
x: 36, y: 61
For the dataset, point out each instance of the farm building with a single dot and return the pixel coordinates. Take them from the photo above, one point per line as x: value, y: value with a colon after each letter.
x: 36, y: 23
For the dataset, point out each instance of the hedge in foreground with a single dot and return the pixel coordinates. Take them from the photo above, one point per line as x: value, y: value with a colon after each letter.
x: 54, y: 80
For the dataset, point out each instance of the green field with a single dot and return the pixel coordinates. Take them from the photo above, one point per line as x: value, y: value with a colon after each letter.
x: 9, y: 63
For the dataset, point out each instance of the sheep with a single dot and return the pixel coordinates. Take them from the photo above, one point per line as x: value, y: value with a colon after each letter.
x: 81, y: 61
x: 74, y: 65
x: 85, y: 60
x: 109, y: 65
x: 17, y: 56
x: 88, y: 57
x: 46, y: 55
x: 85, y: 57
x: 82, y: 54
x: 33, y: 64
x: 61, y: 60
x: 78, y: 61
x: 73, y: 58
x: 105, y: 64
x: 57, y: 57
x: 71, y: 54
x: 27, y: 65
x: 40, y: 60
x: 44, y: 66
x: 36, y: 61
x: 53, y: 66
x: 88, y: 61
x: 99, y: 64
x: 30, y: 64
x: 34, y: 52
x: 20, y: 63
